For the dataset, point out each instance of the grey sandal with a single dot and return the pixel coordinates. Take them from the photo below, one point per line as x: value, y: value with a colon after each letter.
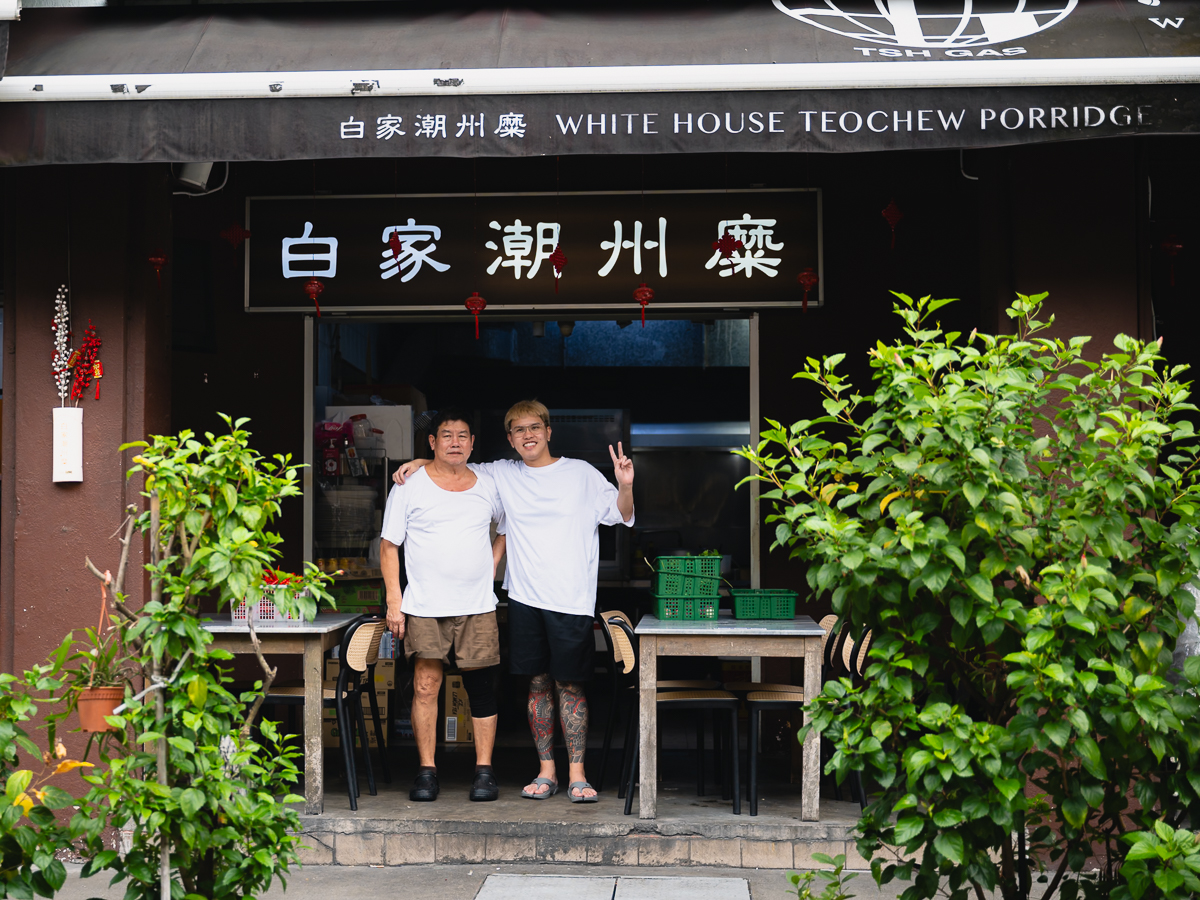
x: 582, y: 786
x: 525, y: 792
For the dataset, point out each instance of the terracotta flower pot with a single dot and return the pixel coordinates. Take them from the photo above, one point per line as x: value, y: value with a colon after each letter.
x: 96, y: 703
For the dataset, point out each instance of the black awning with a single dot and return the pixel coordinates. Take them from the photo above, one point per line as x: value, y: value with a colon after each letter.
x: 327, y: 81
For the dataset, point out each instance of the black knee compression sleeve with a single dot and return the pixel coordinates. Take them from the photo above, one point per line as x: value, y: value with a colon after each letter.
x: 481, y: 692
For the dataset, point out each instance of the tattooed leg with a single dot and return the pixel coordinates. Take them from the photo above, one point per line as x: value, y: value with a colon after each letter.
x: 541, y: 724
x: 541, y: 715
x: 573, y: 711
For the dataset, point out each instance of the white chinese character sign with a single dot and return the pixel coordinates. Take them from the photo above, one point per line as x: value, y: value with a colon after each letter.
x: 733, y: 250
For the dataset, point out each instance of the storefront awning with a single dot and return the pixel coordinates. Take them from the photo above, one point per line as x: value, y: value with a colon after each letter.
x: 349, y: 81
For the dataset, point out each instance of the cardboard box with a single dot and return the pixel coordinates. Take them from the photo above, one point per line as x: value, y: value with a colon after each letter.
x: 331, y: 735
x: 457, y: 718
x: 385, y: 673
x: 381, y: 697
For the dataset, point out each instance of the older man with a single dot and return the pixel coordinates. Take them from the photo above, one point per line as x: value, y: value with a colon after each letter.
x: 553, y: 509
x: 443, y: 517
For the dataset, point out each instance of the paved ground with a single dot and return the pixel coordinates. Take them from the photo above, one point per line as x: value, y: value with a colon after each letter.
x: 463, y: 882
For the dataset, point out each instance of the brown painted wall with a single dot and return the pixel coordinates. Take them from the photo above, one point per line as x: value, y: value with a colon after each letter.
x: 1060, y: 218
x: 93, y: 227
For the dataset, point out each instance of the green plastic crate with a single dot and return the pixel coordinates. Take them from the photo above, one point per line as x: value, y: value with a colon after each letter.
x: 685, y: 609
x: 687, y: 576
x: 765, y: 603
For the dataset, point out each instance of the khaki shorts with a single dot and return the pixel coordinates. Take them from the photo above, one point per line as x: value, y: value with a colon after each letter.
x: 475, y: 639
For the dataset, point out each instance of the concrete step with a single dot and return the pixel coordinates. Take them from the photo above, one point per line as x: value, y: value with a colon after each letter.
x: 388, y: 829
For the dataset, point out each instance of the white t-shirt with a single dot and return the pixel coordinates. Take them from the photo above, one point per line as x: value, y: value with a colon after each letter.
x: 447, y: 544
x: 552, y: 514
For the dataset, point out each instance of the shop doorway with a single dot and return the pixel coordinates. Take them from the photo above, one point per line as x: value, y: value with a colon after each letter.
x: 675, y: 392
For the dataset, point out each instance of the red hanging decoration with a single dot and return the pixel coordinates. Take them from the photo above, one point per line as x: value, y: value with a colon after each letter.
x: 157, y: 260
x: 892, y: 215
x: 476, y: 304
x: 396, y: 246
x: 1171, y: 245
x: 558, y: 259
x: 235, y: 234
x: 726, y: 244
x: 808, y: 280
x: 643, y: 295
x: 86, y: 363
x: 313, y: 287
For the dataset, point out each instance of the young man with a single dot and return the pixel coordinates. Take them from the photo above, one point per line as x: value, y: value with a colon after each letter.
x: 553, y: 508
x: 443, y: 516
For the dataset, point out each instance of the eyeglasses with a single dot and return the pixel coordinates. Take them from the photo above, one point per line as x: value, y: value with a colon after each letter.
x: 522, y: 430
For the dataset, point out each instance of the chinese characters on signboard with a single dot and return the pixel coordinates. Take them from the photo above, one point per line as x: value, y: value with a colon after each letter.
x: 426, y: 253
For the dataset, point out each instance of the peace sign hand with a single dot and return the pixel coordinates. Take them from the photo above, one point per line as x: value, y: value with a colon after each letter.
x: 622, y: 465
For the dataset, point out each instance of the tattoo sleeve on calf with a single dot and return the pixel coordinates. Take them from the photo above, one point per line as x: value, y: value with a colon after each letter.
x: 573, y: 711
x: 541, y: 715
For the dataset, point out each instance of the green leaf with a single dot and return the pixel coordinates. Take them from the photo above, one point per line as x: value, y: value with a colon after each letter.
x: 197, y: 691
x: 961, y: 607
x: 981, y: 588
x: 948, y: 818
x: 229, y: 492
x: 1089, y: 754
x: 950, y: 845
x: 956, y: 556
x: 909, y: 827
x: 1151, y: 643
x: 1059, y: 732
x: 974, y: 493
x: 1007, y: 786
x: 17, y: 783
x: 1075, y: 811
x: 191, y: 801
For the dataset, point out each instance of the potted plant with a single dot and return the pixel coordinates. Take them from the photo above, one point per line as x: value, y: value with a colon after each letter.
x: 98, y: 670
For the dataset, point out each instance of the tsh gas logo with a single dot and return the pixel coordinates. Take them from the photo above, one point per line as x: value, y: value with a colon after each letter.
x: 955, y: 29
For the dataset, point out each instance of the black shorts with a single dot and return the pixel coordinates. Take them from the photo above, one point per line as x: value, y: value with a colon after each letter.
x: 544, y: 642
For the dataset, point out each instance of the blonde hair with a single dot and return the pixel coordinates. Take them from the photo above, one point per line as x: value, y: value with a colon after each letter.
x: 524, y: 408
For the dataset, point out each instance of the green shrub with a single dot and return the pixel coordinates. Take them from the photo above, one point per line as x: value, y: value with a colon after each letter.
x: 1015, y: 525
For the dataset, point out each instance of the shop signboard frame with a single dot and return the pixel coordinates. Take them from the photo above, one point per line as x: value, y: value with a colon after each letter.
x: 422, y: 255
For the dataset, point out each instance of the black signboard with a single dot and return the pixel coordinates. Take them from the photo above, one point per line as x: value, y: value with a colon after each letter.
x: 427, y: 254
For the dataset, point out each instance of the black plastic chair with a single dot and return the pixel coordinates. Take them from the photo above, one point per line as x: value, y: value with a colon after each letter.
x: 357, y: 657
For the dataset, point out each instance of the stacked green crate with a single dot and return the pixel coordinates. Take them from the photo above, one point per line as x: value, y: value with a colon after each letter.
x: 687, y: 587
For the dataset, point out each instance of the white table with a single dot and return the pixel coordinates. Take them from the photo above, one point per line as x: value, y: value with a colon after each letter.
x: 726, y: 636
x: 310, y: 640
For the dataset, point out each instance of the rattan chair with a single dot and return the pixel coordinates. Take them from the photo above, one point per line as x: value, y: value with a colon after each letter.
x: 625, y: 642
x: 358, y: 655
x: 624, y: 696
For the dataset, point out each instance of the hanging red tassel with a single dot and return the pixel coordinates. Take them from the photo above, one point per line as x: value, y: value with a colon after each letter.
x: 313, y: 288
x: 157, y: 260
x: 892, y: 215
x: 476, y: 304
x: 235, y: 234
x: 558, y: 259
x: 808, y: 280
x: 726, y: 244
x: 643, y: 295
